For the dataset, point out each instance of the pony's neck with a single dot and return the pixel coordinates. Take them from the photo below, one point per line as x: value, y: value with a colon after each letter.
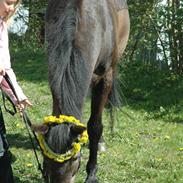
x: 68, y: 71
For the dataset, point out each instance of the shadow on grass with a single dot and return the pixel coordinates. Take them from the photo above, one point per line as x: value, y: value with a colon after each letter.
x: 19, y: 141
x: 30, y: 64
x: 32, y: 178
x: 151, y: 89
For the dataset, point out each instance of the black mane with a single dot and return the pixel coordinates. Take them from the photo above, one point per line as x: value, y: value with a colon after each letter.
x: 67, y: 67
x: 59, y: 138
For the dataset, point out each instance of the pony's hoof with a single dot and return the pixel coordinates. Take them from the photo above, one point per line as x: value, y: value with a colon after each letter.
x: 91, y: 180
x: 102, y: 147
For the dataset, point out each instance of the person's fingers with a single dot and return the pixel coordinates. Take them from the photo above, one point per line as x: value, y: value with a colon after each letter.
x: 20, y: 107
x: 21, y: 113
x: 2, y: 72
x: 23, y: 104
x: 27, y: 102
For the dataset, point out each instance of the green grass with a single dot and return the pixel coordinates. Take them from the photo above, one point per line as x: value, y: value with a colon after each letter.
x: 145, y: 147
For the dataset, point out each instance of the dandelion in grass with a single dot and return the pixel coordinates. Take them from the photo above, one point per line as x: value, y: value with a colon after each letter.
x: 18, y: 125
x: 167, y: 137
x: 29, y: 165
x: 28, y: 155
x: 158, y: 159
x: 156, y: 139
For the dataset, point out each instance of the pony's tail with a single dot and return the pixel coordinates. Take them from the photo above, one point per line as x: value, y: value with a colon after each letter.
x: 115, y: 98
x: 114, y: 101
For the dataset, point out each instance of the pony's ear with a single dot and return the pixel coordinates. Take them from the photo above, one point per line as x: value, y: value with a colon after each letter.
x: 43, y: 129
x: 77, y: 130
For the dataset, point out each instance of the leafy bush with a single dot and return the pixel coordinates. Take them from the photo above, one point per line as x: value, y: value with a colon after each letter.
x: 150, y: 85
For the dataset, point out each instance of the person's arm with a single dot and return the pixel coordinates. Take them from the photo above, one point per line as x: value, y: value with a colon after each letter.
x: 2, y: 69
x: 6, y: 88
x: 15, y: 84
x: 22, y: 99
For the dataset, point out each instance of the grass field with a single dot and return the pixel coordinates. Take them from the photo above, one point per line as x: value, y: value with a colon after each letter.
x: 147, y: 146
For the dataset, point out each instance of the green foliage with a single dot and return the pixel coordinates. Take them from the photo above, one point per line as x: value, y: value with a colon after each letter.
x: 143, y: 37
x: 156, y: 33
x: 34, y: 20
x: 147, y: 84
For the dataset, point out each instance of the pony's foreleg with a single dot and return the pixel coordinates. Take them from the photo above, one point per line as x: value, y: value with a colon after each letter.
x: 100, y: 91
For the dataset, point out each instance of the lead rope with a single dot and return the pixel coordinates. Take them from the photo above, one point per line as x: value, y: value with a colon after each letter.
x: 28, y: 125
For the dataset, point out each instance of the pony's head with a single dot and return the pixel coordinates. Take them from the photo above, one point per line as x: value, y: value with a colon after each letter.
x: 60, y: 144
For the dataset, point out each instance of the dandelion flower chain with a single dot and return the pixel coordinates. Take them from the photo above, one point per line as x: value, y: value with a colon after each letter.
x: 76, y: 146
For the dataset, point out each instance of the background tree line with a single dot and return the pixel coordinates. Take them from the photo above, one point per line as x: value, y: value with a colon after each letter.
x: 156, y: 35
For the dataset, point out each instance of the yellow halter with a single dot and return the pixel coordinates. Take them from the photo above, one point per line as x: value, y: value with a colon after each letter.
x: 76, y: 146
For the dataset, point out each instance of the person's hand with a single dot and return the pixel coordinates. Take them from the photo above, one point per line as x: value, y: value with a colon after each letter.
x: 2, y: 71
x: 23, y: 104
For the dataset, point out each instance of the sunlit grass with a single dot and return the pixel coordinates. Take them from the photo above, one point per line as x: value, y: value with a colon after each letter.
x: 146, y: 146
x: 139, y: 151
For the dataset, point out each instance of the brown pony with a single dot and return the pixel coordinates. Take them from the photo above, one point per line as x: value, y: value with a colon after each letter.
x: 85, y: 39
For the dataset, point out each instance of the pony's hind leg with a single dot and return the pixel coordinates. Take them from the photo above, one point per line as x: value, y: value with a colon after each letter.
x: 100, y: 92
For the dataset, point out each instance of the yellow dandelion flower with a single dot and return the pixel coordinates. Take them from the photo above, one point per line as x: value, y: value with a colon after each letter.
x: 156, y: 139
x: 28, y: 155
x: 158, y: 159
x: 84, y: 137
x: 167, y: 137
x: 77, y: 147
x: 72, y: 118
x: 18, y: 125
x: 29, y: 165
